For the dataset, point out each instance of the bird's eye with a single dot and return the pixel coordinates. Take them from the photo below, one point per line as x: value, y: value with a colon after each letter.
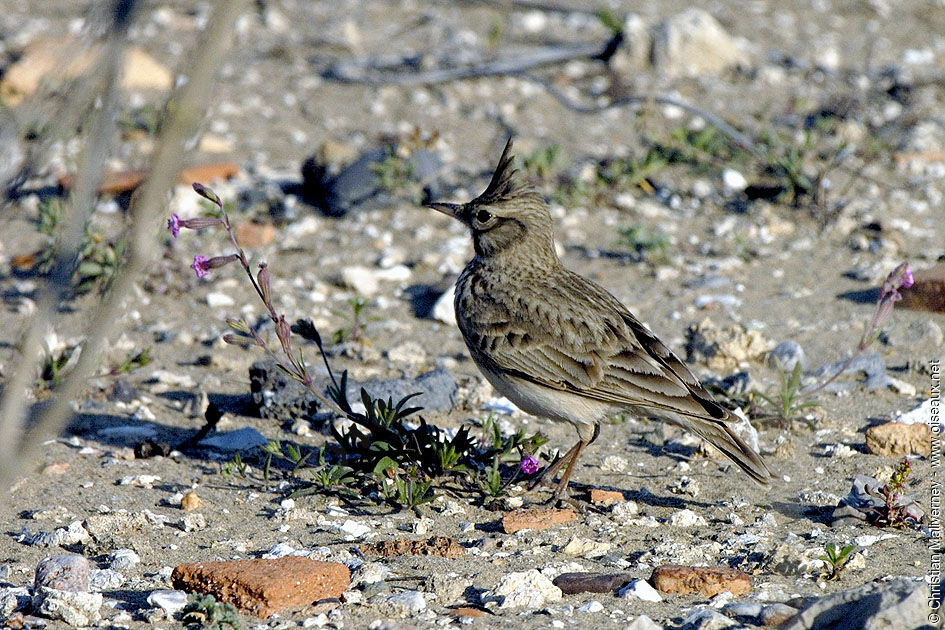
x: 483, y: 216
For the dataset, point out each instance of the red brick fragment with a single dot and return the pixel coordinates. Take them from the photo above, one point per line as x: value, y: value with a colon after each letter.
x: 707, y: 581
x: 263, y: 586
x: 536, y: 518
x: 600, y: 496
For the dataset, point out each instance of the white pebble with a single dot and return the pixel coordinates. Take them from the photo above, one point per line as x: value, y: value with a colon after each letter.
x: 215, y: 300
x: 640, y: 589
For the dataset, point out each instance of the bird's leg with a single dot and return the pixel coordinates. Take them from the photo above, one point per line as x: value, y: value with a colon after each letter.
x: 563, y: 482
x: 552, y: 469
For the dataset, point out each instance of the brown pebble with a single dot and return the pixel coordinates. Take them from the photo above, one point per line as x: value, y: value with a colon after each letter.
x: 571, y: 583
x: 467, y: 611
x: 208, y: 172
x: 895, y: 439
x: 251, y: 234
x: 263, y: 586
x: 442, y: 546
x: 928, y: 291
x: 56, y: 468
x: 536, y: 519
x: 191, y: 501
x: 707, y: 581
x: 600, y: 496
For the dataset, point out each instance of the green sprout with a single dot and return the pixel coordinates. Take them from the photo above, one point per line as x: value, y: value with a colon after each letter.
x: 836, y: 559
x: 788, y: 402
x: 206, y: 611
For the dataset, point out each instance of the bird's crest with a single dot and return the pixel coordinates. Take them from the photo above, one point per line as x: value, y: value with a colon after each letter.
x: 506, y: 183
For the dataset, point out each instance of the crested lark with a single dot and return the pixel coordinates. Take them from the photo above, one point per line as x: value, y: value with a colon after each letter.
x: 560, y: 346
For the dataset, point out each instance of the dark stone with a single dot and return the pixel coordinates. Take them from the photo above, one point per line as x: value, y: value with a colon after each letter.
x: 146, y: 449
x: 277, y: 396
x: 571, y: 583
x: 358, y: 182
x: 122, y: 391
x: 870, y: 367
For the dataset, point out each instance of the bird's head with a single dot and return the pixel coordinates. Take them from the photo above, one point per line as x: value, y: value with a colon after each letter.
x: 508, y: 218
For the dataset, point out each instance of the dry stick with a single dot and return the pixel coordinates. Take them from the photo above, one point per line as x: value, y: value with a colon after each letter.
x: 68, y: 244
x: 365, y: 71
x: 146, y: 214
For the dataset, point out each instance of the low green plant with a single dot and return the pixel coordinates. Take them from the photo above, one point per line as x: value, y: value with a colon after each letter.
x: 836, y: 559
x: 236, y: 466
x: 355, y: 327
x: 396, y: 175
x: 789, y: 402
x: 545, y: 162
x: 207, y: 612
x: 54, y: 367
x: 643, y: 241
x: 894, y: 513
x: 132, y: 361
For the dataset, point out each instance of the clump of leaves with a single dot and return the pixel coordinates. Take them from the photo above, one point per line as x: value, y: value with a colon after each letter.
x: 836, y: 559
x: 207, y: 612
x: 545, y: 162
x: 643, y: 241
x: 789, y: 402
x: 396, y: 175
x: 355, y: 327
x: 133, y: 361
x: 894, y: 513
x: 99, y: 258
x: 236, y: 466
x: 55, y: 365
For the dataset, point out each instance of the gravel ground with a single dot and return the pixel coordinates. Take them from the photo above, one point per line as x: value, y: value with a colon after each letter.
x: 855, y: 88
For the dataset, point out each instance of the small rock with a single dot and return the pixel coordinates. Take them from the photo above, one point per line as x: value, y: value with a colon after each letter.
x: 442, y: 546
x: 898, y: 603
x: 264, y: 586
x: 466, y: 611
x: 776, y: 614
x: 12, y: 599
x: 524, y: 589
x: 238, y: 440
x: 171, y: 602
x: 686, y: 518
x: 707, y: 619
x: 192, y: 522
x: 190, y: 502
x: 928, y: 291
x: 75, y: 608
x: 746, y: 612
x: 105, y: 580
x: 443, y: 310
x: 351, y: 528
x: 640, y: 589
x: 920, y: 335
x: 693, y: 43
x: 724, y: 349
x: 63, y: 572
x: 791, y: 558
x: 360, y: 279
x: 643, y: 623
x: 571, y: 583
x: 216, y: 299
x: 124, y: 559
x: 864, y: 498
x: 600, y: 496
x: 707, y: 581
x: 141, y: 481
x: 122, y: 391
x: 625, y: 510
x: 895, y: 439
x: 786, y: 355
x: 586, y: 548
x: 406, y: 603
x: 592, y: 606
x: 733, y: 181
x: 920, y: 415
x: 536, y: 519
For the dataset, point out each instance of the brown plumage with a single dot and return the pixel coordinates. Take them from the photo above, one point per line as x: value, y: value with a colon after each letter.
x: 560, y: 346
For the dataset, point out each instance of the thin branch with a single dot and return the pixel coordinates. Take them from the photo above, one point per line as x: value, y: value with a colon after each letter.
x: 145, y: 217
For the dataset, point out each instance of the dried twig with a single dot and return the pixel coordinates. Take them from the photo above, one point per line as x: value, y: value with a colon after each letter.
x: 145, y: 217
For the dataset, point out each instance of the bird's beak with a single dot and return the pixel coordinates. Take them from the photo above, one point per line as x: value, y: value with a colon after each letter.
x: 454, y: 210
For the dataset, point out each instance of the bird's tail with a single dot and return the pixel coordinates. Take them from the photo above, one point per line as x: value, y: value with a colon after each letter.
x: 719, y: 434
